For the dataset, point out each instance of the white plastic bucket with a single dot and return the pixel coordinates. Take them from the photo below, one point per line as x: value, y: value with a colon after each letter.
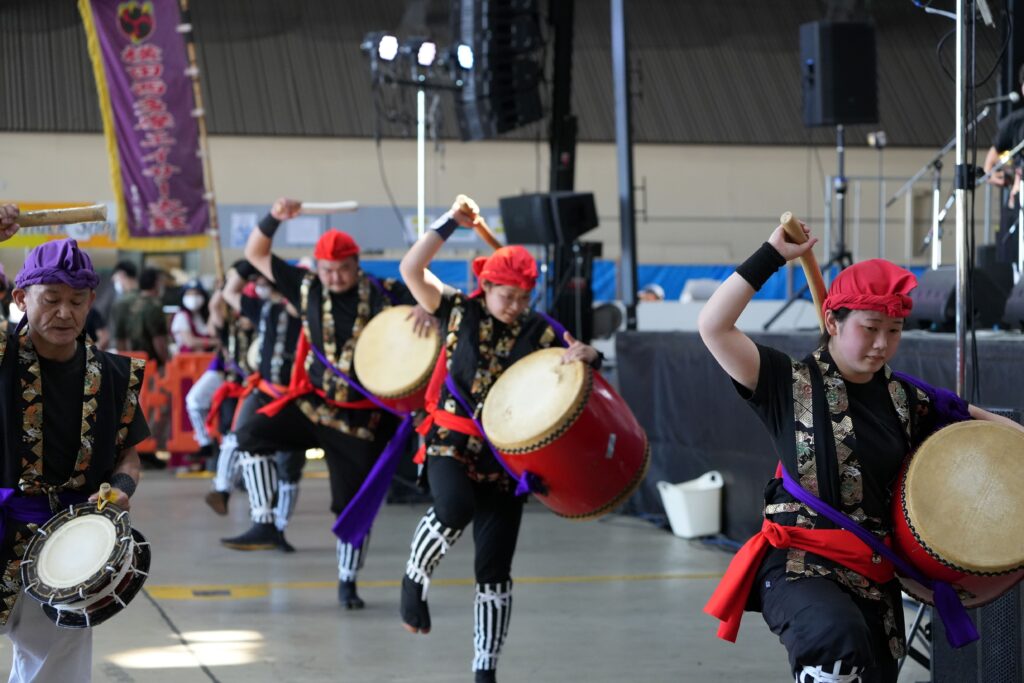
x: 694, y: 507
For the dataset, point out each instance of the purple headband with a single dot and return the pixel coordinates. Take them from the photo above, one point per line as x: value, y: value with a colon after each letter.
x: 58, y: 262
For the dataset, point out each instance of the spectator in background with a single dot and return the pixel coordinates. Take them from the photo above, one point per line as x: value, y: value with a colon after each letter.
x: 4, y: 302
x: 139, y: 322
x: 189, y: 327
x: 652, y: 292
x: 125, y: 278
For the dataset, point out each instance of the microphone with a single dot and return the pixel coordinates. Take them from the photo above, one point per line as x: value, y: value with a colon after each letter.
x: 1012, y: 97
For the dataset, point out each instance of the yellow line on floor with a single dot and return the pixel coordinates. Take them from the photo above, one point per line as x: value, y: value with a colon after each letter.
x: 262, y: 590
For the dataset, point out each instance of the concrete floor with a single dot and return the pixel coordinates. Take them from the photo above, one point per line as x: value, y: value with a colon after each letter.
x: 614, y: 600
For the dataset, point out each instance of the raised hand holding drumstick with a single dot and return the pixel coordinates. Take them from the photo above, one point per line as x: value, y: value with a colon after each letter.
x: 8, y: 221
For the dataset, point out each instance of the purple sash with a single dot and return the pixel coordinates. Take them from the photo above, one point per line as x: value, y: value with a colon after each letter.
x: 527, y: 482
x: 960, y: 629
x: 31, y: 509
x: 354, y: 522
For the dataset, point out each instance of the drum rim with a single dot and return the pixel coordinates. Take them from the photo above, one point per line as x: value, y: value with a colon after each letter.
x: 619, y: 498
x: 405, y: 392
x: 142, y: 556
x: 545, y: 439
x: 932, y: 553
x: 28, y: 568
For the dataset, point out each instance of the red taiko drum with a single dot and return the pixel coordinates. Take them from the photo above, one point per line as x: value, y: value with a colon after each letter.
x: 565, y: 424
x: 957, y: 507
x: 392, y: 362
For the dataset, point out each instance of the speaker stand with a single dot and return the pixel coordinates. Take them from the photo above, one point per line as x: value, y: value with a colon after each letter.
x: 840, y: 257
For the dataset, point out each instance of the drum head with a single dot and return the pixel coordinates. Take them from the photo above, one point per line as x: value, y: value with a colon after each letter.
x: 96, y: 614
x: 536, y: 399
x: 963, y: 496
x: 76, y: 551
x: 390, y: 359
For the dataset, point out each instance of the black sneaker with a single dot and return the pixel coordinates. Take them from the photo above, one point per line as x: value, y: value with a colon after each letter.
x: 283, y: 545
x: 484, y: 676
x: 258, y: 537
x: 218, y: 501
x: 414, y: 610
x: 347, y: 595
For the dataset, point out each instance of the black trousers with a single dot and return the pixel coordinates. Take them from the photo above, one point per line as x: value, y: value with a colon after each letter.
x: 495, y: 513
x: 349, y: 459
x: 821, y: 623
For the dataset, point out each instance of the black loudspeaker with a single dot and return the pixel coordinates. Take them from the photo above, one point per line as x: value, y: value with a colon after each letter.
x: 839, y: 75
x: 1013, y: 313
x: 501, y: 91
x: 935, y: 301
x: 548, y: 218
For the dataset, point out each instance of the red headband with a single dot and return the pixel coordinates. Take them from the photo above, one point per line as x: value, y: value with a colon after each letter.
x: 335, y: 245
x: 874, y: 285
x: 511, y: 266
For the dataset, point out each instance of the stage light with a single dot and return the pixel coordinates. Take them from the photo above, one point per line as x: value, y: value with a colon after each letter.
x: 380, y: 43
x: 387, y: 47
x: 464, y: 55
x: 426, y: 53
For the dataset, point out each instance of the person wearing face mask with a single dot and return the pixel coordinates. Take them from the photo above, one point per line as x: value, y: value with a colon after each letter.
x: 842, y: 423
x: 488, y: 331
x: 193, y: 331
x: 321, y: 408
x: 272, y: 485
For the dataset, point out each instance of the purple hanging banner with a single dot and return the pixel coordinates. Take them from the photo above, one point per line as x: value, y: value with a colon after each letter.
x: 140, y: 61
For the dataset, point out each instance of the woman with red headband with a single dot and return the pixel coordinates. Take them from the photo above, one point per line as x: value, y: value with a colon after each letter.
x: 842, y: 423
x: 486, y: 332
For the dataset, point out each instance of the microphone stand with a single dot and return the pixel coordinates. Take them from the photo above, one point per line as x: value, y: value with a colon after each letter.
x: 935, y: 166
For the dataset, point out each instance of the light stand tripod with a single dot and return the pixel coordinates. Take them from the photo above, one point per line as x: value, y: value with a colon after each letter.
x: 840, y: 256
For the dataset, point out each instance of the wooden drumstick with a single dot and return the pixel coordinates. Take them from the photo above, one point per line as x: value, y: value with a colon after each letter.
x: 795, y: 233
x: 75, y: 214
x: 479, y: 224
x: 321, y: 208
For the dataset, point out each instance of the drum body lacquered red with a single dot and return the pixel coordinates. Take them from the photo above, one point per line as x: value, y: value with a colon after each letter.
x: 568, y: 426
x: 956, y: 511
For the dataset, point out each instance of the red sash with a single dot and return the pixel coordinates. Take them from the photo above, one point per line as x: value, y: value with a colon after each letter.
x: 300, y: 386
x: 441, y: 418
x: 224, y: 392
x: 840, y: 546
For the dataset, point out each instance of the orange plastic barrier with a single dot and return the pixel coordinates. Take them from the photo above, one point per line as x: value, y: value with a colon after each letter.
x: 160, y: 391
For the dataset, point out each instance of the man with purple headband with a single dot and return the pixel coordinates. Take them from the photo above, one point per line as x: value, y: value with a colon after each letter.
x: 50, y: 378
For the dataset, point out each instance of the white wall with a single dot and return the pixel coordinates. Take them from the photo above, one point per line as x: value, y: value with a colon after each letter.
x: 704, y: 204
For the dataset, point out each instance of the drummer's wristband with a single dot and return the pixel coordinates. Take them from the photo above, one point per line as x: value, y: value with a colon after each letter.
x: 268, y: 225
x: 444, y: 226
x: 761, y: 265
x: 123, y: 482
x: 598, y: 362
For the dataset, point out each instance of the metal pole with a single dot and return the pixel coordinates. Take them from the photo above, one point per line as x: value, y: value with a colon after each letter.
x: 624, y: 149
x: 881, y: 207
x: 936, y: 208
x: 185, y: 28
x: 421, y: 161
x: 840, y: 182
x: 964, y: 21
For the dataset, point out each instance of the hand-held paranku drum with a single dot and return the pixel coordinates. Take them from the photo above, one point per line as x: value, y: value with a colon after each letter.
x: 393, y: 362
x: 564, y: 423
x: 85, y: 565
x: 957, y: 508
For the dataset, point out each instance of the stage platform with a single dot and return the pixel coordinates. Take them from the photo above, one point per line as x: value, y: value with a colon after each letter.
x: 697, y: 422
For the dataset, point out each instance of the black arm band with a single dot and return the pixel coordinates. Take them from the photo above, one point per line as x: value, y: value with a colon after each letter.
x: 268, y: 225
x: 124, y: 482
x: 445, y: 226
x: 761, y: 265
x: 598, y: 362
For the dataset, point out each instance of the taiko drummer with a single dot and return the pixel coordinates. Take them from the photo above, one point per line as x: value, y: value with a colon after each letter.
x: 484, y: 333
x: 51, y: 378
x: 842, y: 423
